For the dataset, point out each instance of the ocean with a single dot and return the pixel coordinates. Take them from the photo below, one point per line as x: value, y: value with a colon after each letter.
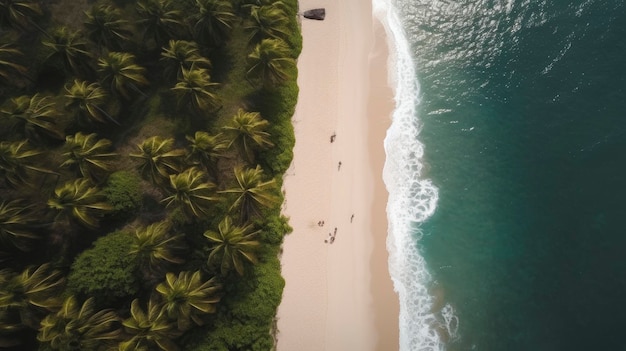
x: 506, y: 168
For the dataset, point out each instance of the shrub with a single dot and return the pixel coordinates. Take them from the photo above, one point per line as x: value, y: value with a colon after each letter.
x: 123, y: 192
x: 247, y: 313
x: 278, y: 107
x: 106, y: 271
x: 275, y: 229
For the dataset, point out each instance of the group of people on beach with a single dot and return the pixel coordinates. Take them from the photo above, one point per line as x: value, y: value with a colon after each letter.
x: 333, y: 235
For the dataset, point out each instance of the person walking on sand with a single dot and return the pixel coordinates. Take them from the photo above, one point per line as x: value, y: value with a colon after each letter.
x: 339, y: 166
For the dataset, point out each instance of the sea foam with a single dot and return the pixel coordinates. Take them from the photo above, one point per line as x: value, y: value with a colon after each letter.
x: 412, y: 200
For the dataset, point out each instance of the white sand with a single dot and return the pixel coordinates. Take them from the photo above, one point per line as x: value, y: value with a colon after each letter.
x: 339, y: 296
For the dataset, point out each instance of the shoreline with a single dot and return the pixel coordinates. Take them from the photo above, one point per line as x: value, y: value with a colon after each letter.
x: 338, y: 294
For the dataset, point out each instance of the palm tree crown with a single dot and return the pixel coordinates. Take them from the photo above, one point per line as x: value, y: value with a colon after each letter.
x: 150, y: 330
x: 106, y: 27
x: 158, y: 20
x: 192, y: 192
x: 154, y: 244
x: 32, y: 291
x: 79, y: 200
x: 89, y: 99
x: 182, y: 54
x: 270, y: 61
x: 158, y: 159
x: 88, y: 154
x: 18, y: 13
x: 78, y: 327
x: 187, y: 297
x: 214, y: 20
x: 247, y: 131
x: 251, y: 192
x: 205, y: 149
x: 232, y: 245
x: 194, y: 90
x: 267, y: 21
x: 70, y: 47
x: 120, y: 72
x: 16, y: 223
x: 9, y: 57
x: 16, y: 160
x: 33, y: 116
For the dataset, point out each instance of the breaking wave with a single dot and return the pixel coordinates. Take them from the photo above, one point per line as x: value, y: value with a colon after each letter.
x: 412, y: 200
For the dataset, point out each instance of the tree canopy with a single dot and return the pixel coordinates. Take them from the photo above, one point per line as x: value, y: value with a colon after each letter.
x: 141, y: 145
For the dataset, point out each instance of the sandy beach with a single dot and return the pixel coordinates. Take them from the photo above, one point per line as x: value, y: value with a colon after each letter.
x: 338, y: 294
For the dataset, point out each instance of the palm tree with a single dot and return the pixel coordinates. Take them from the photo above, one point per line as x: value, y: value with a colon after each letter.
x: 214, y: 20
x: 192, y: 192
x: 150, y: 330
x: 79, y: 200
x: 158, y: 20
x: 232, y: 245
x: 71, y: 48
x: 251, y: 192
x: 18, y: 13
x: 267, y: 21
x: 9, y: 329
x: 247, y: 132
x: 205, y: 149
x: 158, y: 159
x: 33, y: 116
x: 89, y: 100
x: 154, y: 244
x: 17, y: 159
x: 187, y: 297
x: 79, y: 327
x: 194, y: 90
x: 9, y: 57
x: 30, y: 293
x: 119, y: 72
x: 270, y: 62
x: 182, y: 54
x: 89, y: 155
x: 105, y: 27
x: 17, y: 222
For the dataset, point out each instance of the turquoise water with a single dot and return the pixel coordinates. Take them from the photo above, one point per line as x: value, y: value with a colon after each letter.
x: 520, y: 234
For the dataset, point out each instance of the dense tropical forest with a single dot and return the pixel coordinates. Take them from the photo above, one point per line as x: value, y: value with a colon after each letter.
x: 142, y: 149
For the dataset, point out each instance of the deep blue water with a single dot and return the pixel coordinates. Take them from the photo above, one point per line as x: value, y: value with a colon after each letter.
x: 523, y: 122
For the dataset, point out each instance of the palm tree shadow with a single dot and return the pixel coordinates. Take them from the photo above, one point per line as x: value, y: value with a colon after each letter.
x: 255, y: 100
x: 265, y: 101
x: 222, y: 61
x: 50, y: 79
x: 152, y: 211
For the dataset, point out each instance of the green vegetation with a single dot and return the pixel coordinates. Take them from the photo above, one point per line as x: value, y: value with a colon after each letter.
x: 188, y: 297
x: 123, y: 192
x: 105, y: 272
x: 79, y: 327
x: 30, y: 294
x: 9, y: 58
x: 142, y: 152
x: 89, y: 156
x: 154, y: 246
x: 158, y: 159
x: 17, y: 224
x: 78, y: 201
x: 233, y: 246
